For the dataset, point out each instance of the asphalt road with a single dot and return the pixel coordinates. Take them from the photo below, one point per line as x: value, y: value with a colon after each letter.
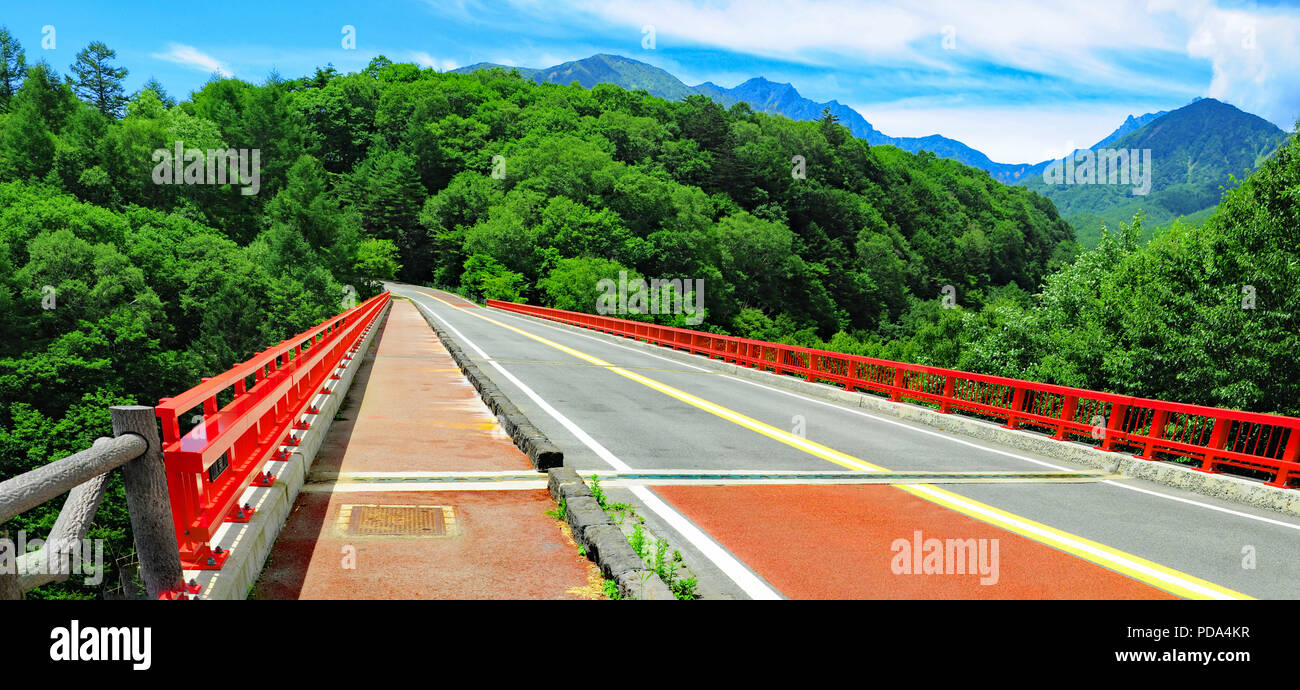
x: 611, y: 407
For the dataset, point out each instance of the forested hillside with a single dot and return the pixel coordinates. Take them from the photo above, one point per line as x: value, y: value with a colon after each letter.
x: 1197, y: 152
x: 597, y: 181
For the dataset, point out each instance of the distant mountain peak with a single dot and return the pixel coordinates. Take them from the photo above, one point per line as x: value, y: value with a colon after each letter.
x: 782, y: 98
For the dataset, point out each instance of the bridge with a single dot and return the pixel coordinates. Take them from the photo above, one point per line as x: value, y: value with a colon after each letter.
x: 424, y: 439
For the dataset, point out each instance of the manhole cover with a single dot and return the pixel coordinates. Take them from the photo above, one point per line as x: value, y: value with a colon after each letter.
x: 369, y: 520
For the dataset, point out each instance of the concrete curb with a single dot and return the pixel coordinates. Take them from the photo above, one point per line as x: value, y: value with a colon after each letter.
x: 540, y: 451
x: 1222, y: 486
x: 250, y: 543
x: 605, y: 543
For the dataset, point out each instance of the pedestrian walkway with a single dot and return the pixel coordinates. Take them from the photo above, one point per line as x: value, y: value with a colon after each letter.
x: 359, y: 531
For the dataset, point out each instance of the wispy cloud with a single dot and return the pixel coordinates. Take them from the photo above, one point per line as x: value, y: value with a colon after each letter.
x: 190, y: 56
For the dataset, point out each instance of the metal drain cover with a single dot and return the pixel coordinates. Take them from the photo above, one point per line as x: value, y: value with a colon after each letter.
x: 369, y: 520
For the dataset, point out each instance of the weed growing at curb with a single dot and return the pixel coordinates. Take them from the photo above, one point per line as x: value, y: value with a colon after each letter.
x: 683, y: 589
x: 637, y: 540
x: 611, y: 590
x: 560, y: 512
x: 618, y: 512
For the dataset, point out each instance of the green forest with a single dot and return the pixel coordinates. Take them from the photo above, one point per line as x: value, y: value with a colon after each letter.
x: 115, y: 289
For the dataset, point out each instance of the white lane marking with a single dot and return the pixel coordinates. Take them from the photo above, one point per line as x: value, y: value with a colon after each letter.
x: 741, y: 575
x: 367, y: 487
x: 1189, y: 501
x: 905, y: 425
x: 424, y: 473
x: 723, y: 561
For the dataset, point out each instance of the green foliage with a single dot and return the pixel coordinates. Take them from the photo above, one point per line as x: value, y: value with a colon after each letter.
x: 611, y: 590
x: 115, y: 290
x: 484, y: 278
x: 13, y: 64
x: 637, y: 540
x: 597, y: 492
x: 561, y: 511
x: 377, y: 259
x: 98, y: 82
x: 1197, y: 152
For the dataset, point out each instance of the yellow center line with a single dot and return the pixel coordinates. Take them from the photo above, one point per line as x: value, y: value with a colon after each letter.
x: 1136, y: 567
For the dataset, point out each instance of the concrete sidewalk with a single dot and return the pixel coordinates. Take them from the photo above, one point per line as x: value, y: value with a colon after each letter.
x: 358, y: 532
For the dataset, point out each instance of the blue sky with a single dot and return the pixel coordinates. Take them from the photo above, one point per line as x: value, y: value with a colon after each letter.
x: 1021, y: 80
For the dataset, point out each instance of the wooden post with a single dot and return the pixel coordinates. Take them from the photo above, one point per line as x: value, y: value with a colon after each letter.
x: 145, y: 480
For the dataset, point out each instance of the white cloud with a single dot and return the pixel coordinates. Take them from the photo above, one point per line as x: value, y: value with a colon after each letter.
x: 424, y: 59
x: 1255, y: 58
x: 193, y: 57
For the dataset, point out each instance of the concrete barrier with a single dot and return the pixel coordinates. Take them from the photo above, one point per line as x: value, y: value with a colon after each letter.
x: 605, y: 543
x: 528, y: 438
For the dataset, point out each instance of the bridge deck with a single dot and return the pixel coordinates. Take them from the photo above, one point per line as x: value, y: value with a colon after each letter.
x: 621, y: 410
x: 410, y: 411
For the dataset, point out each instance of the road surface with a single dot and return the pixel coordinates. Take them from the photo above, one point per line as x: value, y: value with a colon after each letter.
x: 614, y: 408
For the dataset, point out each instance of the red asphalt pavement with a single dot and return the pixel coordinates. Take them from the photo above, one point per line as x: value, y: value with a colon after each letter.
x: 834, y: 542
x: 410, y: 409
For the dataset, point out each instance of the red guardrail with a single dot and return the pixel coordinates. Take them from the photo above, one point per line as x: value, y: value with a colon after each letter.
x: 1155, y: 429
x: 209, y: 467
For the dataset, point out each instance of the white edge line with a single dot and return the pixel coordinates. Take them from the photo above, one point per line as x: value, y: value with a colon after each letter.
x: 723, y: 561
x: 372, y: 487
x: 739, y: 574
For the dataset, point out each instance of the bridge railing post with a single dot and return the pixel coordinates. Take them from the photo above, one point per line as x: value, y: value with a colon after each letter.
x: 145, y: 480
x: 1115, y: 426
x: 949, y: 389
x: 1068, y: 409
x: 1017, y: 406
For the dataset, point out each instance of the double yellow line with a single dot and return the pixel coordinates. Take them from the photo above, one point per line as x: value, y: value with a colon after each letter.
x: 1149, y: 572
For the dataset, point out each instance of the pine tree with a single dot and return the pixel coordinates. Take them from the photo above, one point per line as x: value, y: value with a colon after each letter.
x: 156, y: 86
x: 26, y: 143
x: 98, y: 82
x: 13, y: 65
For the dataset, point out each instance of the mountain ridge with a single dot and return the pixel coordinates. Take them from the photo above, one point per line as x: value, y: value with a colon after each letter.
x: 1082, y: 205
x: 779, y: 98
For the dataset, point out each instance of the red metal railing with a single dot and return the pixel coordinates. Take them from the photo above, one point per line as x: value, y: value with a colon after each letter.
x: 1212, y: 438
x: 270, y: 395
